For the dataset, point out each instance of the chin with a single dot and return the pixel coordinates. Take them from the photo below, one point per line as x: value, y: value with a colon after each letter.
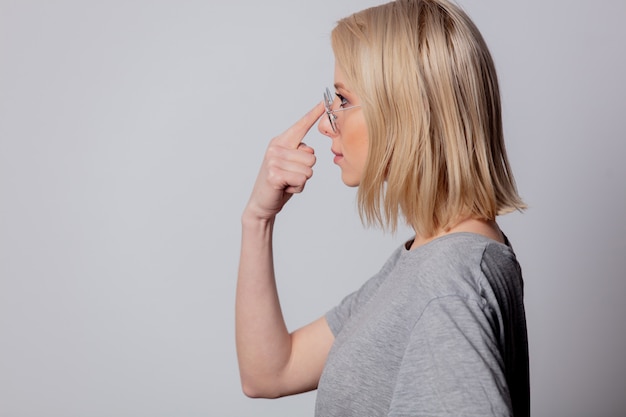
x: 350, y: 181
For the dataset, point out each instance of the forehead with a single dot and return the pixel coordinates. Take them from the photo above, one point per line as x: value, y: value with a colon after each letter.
x: 339, y: 77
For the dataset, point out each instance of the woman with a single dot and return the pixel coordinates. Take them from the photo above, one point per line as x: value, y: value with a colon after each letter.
x: 440, y: 329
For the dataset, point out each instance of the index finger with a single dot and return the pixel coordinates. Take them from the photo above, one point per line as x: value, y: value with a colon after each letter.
x: 292, y: 137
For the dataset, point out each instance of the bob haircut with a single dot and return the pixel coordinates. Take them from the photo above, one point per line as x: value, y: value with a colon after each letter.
x: 429, y: 93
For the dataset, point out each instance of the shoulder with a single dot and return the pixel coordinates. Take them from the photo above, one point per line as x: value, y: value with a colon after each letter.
x: 459, y: 264
x: 467, y: 250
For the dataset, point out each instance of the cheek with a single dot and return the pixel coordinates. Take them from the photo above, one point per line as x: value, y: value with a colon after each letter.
x: 362, y: 141
x: 355, y: 141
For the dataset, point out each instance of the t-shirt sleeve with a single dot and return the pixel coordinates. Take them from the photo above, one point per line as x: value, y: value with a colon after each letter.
x: 355, y: 301
x: 452, y: 365
x: 340, y: 314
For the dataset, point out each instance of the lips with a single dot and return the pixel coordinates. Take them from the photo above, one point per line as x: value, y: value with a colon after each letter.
x: 338, y: 156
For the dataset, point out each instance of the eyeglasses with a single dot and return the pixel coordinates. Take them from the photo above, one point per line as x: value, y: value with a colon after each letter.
x: 328, y: 104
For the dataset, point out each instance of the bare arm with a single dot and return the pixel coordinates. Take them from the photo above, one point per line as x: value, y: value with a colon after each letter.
x: 272, y: 361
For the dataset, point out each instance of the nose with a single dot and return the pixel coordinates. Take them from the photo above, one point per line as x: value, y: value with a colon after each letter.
x: 324, y: 126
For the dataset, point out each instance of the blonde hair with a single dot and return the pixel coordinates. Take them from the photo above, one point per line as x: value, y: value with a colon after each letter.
x: 429, y: 93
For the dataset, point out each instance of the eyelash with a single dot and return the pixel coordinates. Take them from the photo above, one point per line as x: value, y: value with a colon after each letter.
x: 342, y: 100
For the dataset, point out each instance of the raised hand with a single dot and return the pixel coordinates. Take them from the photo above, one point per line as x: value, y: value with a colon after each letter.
x: 287, y: 166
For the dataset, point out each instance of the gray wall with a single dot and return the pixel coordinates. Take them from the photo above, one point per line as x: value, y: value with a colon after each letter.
x: 131, y: 132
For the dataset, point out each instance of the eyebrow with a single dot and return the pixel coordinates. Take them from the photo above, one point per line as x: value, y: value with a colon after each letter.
x: 341, y: 86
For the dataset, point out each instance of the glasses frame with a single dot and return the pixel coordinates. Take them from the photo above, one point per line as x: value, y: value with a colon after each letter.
x: 328, y: 104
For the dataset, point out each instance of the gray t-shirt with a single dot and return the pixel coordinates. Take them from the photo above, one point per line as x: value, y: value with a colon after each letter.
x: 439, y: 331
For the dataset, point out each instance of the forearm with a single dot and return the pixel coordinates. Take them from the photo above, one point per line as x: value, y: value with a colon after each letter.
x: 265, y: 349
x: 263, y: 342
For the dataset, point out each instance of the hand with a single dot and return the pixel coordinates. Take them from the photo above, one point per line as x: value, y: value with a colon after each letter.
x: 287, y: 166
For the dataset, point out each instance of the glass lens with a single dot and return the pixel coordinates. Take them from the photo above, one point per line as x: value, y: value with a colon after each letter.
x: 328, y: 103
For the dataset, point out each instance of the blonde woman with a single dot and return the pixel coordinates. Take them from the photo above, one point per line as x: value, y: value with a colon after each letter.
x: 440, y: 330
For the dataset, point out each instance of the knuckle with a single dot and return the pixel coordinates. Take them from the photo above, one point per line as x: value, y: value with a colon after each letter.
x: 272, y: 150
x: 274, y: 175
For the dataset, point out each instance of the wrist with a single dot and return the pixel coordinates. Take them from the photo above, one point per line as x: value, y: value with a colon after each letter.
x: 251, y: 219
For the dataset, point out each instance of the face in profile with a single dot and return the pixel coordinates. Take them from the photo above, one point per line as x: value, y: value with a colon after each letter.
x: 349, y: 133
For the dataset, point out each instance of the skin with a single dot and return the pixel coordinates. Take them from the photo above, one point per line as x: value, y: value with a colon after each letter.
x: 272, y: 361
x: 350, y: 142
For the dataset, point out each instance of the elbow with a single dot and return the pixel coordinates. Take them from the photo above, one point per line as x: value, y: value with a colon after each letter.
x: 258, y: 389
x: 251, y: 390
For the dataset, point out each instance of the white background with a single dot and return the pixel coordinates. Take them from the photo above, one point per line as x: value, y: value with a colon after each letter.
x: 131, y: 133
